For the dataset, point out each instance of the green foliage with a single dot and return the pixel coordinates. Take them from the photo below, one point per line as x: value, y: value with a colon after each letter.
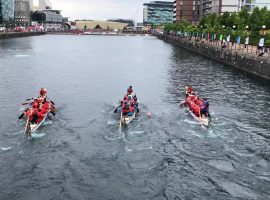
x: 214, y: 24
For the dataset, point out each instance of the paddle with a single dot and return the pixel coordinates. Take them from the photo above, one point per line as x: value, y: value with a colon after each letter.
x: 26, y: 103
x: 49, y: 117
x: 120, y: 124
x: 52, y: 113
x: 50, y: 100
x: 21, y: 116
x: 27, y: 127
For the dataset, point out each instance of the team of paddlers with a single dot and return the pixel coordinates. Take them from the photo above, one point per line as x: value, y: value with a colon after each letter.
x: 39, y: 108
x: 199, y: 107
x: 129, y: 104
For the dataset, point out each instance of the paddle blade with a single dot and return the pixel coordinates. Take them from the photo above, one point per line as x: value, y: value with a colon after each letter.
x: 21, y: 116
x: 49, y: 117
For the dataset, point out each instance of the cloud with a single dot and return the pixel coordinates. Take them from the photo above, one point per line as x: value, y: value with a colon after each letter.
x: 101, y: 9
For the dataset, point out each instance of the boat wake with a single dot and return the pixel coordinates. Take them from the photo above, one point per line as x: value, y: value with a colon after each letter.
x: 37, y: 135
x: 21, y: 56
x: 6, y: 148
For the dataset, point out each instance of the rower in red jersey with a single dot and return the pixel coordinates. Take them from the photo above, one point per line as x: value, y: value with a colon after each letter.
x: 43, y: 92
x: 129, y: 90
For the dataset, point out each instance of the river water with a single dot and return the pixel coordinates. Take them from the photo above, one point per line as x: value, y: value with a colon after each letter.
x: 83, y: 155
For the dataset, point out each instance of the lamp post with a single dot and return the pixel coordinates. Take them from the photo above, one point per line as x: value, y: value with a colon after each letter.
x: 247, y: 38
x: 201, y: 33
x: 263, y: 28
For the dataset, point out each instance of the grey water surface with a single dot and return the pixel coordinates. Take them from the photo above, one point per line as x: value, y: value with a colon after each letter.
x: 82, y: 154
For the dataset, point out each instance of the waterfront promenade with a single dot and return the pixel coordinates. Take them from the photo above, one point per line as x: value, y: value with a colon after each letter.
x: 235, y: 47
x: 8, y: 35
x: 247, y: 59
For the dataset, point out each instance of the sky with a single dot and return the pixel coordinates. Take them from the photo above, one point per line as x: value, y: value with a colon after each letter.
x: 100, y: 9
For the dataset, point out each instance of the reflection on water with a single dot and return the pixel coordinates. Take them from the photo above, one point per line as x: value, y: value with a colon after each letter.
x: 168, y: 156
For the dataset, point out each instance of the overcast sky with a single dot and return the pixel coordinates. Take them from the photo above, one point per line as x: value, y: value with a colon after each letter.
x: 101, y: 9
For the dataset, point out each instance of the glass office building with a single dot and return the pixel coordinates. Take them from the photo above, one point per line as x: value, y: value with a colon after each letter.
x: 6, y: 11
x: 22, y: 12
x: 158, y: 12
x: 251, y: 4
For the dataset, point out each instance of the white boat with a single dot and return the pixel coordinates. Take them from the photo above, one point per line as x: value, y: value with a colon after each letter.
x: 202, y: 120
x: 30, y: 128
x: 125, y: 119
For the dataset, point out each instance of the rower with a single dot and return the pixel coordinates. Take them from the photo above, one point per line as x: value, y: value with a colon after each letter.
x: 189, y: 90
x: 43, y: 92
x: 135, y: 98
x: 40, y: 115
x: 129, y: 90
x: 119, y: 106
x: 126, y: 108
x: 205, y: 107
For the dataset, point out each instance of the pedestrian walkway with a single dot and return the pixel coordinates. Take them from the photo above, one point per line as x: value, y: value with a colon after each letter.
x: 247, y: 49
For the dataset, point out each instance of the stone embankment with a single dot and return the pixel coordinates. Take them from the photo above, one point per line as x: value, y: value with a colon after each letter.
x: 19, y: 34
x: 250, y: 63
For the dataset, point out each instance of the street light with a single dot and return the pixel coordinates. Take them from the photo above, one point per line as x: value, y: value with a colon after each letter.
x: 263, y: 27
x: 247, y: 38
x: 201, y: 32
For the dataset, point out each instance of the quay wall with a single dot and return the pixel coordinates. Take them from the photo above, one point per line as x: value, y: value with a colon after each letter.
x: 259, y: 66
x: 19, y: 34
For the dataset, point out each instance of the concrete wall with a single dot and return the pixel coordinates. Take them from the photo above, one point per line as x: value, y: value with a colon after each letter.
x: 15, y: 35
x: 259, y: 66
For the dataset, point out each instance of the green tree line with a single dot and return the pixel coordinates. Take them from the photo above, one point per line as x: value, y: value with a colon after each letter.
x: 241, y: 24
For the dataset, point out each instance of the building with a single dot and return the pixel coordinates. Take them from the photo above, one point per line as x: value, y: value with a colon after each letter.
x: 49, y: 19
x: 187, y: 10
x: 158, y: 12
x: 6, y: 12
x: 130, y: 22
x: 100, y: 25
x: 255, y: 3
x: 44, y: 4
x: 194, y: 10
x: 219, y: 6
x: 22, y: 12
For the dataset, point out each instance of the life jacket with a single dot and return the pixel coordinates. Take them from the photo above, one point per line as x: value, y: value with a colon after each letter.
x: 40, y: 117
x: 195, y: 109
x: 199, y: 102
x: 44, y: 110
x: 28, y: 113
x: 46, y: 105
x: 33, y: 117
x: 189, y: 90
x: 131, y: 109
x: 34, y: 104
x: 125, y: 109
